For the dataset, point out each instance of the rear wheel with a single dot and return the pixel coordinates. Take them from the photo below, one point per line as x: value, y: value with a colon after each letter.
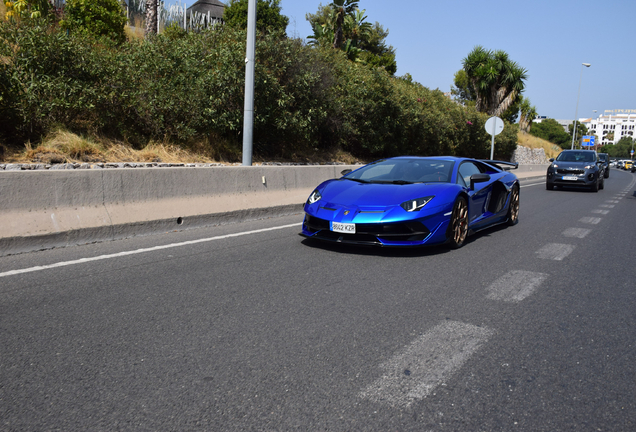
x: 458, y: 230
x: 513, y: 210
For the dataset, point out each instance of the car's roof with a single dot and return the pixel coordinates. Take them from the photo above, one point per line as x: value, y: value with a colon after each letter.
x: 446, y: 158
x: 574, y: 150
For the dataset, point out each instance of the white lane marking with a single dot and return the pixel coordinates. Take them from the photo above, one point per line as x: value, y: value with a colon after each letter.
x: 555, y: 251
x: 603, y: 212
x: 140, y: 251
x: 612, y: 201
x: 607, y: 205
x: 590, y: 220
x: 576, y: 232
x: 515, y: 285
x: 430, y: 360
x: 534, y: 184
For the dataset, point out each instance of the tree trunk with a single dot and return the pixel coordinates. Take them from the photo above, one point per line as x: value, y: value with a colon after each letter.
x: 151, y: 17
x: 337, y: 36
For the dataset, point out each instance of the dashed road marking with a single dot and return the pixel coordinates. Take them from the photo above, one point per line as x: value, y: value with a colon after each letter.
x: 603, y: 212
x: 431, y: 359
x: 590, y: 220
x: 515, y: 286
x: 607, y: 205
x: 555, y: 251
x: 576, y: 232
x: 612, y: 201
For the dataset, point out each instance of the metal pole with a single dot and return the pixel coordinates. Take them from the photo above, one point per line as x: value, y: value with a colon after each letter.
x: 248, y: 119
x: 576, y: 113
x: 492, y: 143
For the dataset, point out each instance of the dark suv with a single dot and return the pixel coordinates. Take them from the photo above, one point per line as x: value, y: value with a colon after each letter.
x: 576, y: 168
x: 606, y: 162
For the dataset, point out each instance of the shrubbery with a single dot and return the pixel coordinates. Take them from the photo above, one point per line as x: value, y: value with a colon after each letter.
x: 188, y: 88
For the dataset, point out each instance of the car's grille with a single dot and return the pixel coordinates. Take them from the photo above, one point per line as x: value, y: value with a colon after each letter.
x: 570, y: 171
x: 369, y: 233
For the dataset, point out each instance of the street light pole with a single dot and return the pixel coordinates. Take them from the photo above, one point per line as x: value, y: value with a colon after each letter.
x: 250, y: 55
x: 576, y: 113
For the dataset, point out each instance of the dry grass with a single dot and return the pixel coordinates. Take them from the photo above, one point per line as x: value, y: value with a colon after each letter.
x: 527, y: 140
x: 136, y: 31
x: 66, y: 147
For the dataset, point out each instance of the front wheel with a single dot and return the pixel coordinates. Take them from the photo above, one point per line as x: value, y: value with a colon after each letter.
x: 549, y: 186
x: 513, y: 209
x: 458, y: 229
x: 595, y: 186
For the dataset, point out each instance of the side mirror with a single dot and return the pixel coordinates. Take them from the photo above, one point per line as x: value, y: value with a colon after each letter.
x: 345, y: 172
x: 478, y: 178
x: 551, y: 159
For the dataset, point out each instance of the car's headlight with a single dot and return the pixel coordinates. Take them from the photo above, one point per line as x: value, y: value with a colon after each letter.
x: 416, y: 204
x: 589, y: 166
x: 314, y: 197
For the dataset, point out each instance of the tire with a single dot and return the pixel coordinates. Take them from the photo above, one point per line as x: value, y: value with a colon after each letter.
x: 458, y: 228
x: 549, y: 186
x: 606, y: 175
x: 595, y: 186
x: 602, y: 183
x: 513, y: 208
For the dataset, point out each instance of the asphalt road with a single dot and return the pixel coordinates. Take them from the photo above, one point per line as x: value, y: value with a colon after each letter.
x: 251, y: 327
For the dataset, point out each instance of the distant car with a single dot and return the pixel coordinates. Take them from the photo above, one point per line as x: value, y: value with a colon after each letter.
x: 576, y: 168
x: 605, y: 158
x: 413, y: 201
x: 634, y: 167
x: 619, y: 164
x: 627, y: 165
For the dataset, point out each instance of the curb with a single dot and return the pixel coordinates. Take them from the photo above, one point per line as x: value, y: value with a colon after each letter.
x: 18, y: 245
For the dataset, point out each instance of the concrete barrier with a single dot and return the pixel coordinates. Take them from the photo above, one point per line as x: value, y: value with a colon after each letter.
x: 45, y: 209
x: 526, y: 171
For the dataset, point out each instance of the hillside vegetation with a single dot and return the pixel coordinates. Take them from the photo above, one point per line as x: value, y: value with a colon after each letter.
x: 185, y: 91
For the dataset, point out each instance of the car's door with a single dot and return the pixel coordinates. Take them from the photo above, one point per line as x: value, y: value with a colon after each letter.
x: 479, y: 196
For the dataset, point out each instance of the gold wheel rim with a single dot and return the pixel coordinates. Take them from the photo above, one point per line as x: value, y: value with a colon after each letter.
x: 514, y: 205
x: 460, y: 222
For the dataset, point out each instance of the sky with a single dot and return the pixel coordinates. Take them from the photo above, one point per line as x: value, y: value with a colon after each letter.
x: 550, y: 39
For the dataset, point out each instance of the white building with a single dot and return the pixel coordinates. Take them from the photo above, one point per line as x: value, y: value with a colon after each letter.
x: 620, y: 122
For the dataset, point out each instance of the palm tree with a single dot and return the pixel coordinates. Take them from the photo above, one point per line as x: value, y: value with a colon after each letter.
x: 496, y: 80
x: 340, y: 9
x: 528, y: 112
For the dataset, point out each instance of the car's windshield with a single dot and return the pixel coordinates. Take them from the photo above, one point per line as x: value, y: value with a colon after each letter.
x: 574, y: 156
x: 404, y: 171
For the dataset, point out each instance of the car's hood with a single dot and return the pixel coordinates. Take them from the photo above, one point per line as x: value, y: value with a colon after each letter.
x: 572, y: 165
x: 351, y: 193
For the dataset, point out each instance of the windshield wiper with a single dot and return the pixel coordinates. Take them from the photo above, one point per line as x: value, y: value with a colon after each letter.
x: 401, y: 182
x: 356, y: 180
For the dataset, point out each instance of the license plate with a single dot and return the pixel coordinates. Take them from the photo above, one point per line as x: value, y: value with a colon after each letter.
x: 574, y: 178
x: 347, y: 228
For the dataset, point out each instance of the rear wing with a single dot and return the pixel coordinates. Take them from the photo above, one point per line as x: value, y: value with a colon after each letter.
x: 507, y: 166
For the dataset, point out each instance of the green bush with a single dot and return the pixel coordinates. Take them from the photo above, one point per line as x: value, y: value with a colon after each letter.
x: 98, y: 18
